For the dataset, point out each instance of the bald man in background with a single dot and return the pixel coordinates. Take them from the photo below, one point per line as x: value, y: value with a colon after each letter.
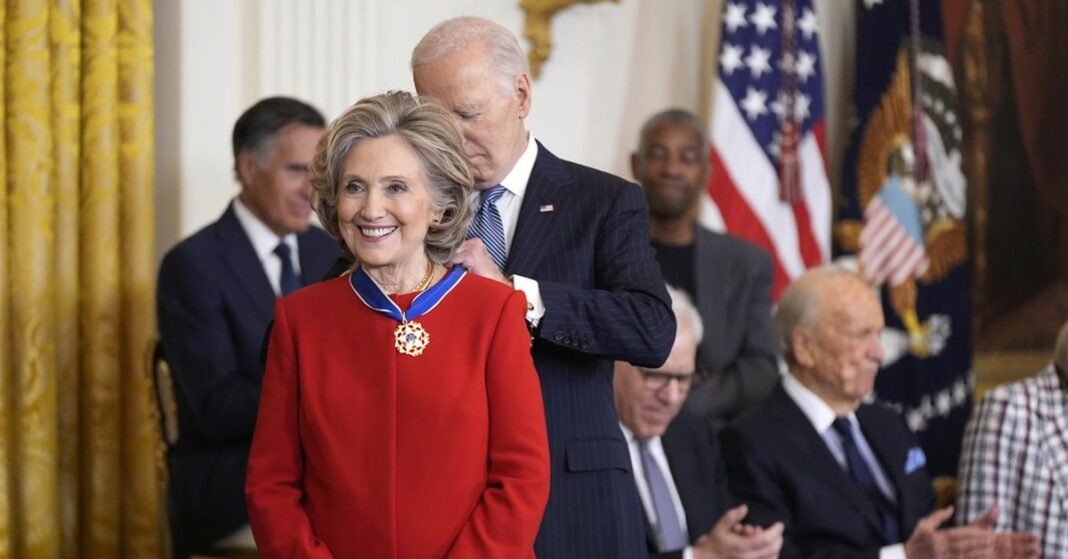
x: 847, y: 478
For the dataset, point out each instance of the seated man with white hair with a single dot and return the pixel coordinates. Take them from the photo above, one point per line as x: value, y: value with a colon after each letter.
x: 676, y: 461
x: 847, y: 478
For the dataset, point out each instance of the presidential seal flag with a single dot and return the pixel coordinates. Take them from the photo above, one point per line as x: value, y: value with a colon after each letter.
x: 902, y: 218
x: 769, y: 176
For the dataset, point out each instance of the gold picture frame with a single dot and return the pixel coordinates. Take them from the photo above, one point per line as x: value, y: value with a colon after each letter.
x: 537, y: 26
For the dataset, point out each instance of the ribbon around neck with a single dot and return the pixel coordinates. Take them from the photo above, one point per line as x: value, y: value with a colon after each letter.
x: 372, y: 295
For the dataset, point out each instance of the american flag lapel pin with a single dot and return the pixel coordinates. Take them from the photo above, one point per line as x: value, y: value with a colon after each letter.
x: 546, y: 208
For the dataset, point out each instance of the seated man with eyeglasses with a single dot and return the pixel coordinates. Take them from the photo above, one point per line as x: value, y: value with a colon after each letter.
x: 676, y: 461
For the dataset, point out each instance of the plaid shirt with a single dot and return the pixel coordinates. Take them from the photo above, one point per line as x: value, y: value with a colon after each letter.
x: 1015, y: 456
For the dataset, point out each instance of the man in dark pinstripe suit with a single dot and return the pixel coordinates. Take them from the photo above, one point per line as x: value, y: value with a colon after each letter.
x: 576, y: 242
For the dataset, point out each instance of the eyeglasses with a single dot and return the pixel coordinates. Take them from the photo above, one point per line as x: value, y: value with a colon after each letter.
x: 656, y: 380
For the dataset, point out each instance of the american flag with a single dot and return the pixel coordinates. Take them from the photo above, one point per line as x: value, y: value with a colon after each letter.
x: 892, y: 238
x: 769, y: 182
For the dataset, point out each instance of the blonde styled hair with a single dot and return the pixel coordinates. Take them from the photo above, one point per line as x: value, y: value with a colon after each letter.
x: 429, y: 129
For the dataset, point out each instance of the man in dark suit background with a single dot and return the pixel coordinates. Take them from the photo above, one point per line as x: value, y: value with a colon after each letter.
x: 576, y: 242
x: 728, y: 279
x: 676, y: 461
x: 215, y: 299
x: 846, y: 478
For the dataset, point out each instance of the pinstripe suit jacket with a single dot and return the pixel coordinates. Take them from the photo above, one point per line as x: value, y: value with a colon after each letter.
x: 1015, y: 456
x: 605, y: 300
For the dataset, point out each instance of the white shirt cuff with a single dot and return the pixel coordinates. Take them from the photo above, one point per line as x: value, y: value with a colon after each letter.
x: 688, y: 552
x: 896, y: 551
x: 535, y: 306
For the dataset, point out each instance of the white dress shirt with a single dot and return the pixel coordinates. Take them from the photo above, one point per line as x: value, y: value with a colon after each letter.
x: 515, y: 186
x: 656, y: 450
x: 822, y: 416
x: 264, y: 242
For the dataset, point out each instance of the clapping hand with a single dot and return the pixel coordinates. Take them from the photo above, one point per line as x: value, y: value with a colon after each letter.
x: 976, y: 540
x: 730, y: 539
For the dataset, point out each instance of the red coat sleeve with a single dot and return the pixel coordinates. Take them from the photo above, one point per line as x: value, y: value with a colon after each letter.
x: 506, y: 519
x: 275, y: 466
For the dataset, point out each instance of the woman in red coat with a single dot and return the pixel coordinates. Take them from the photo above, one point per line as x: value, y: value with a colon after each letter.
x: 401, y: 415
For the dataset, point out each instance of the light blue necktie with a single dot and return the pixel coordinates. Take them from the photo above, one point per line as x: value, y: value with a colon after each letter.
x: 668, y: 526
x: 487, y: 225
x: 288, y: 282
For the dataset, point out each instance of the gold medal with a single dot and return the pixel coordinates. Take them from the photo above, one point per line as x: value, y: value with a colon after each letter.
x: 410, y: 338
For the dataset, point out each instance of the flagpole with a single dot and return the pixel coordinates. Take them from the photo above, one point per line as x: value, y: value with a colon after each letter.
x: 921, y: 170
x: 789, y: 135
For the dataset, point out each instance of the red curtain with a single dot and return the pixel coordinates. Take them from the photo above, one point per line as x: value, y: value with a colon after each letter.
x: 1038, y: 49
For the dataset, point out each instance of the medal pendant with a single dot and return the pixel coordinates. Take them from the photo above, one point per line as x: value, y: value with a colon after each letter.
x: 411, y: 338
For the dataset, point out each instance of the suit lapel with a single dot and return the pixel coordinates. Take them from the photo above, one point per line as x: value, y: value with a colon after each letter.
x: 310, y: 259
x: 650, y: 533
x: 709, y: 283
x: 890, y: 456
x: 543, y: 200
x: 244, y: 265
x: 811, y: 446
x: 684, y: 470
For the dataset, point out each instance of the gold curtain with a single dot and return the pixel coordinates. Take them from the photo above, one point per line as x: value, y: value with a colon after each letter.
x: 77, y: 435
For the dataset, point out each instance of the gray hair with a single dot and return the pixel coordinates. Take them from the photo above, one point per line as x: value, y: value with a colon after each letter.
x: 1060, y: 350
x: 506, y: 57
x: 686, y: 312
x: 802, y: 303
x: 426, y: 127
x: 671, y: 116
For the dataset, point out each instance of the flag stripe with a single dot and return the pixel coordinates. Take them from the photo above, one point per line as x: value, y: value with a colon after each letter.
x: 726, y: 198
x: 881, y: 267
x: 806, y: 241
x: 770, y: 178
x: 817, y: 189
x: 888, y: 251
x: 757, y: 184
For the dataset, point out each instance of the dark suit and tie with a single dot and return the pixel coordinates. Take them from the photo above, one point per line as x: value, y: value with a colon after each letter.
x: 215, y: 299
x: 785, y: 471
x: 700, y: 481
x: 214, y: 304
x: 675, y: 459
x: 603, y: 296
x: 577, y: 245
x: 848, y: 479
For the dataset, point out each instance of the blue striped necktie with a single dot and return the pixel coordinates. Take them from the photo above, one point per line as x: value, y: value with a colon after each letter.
x: 487, y: 225
x: 288, y: 282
